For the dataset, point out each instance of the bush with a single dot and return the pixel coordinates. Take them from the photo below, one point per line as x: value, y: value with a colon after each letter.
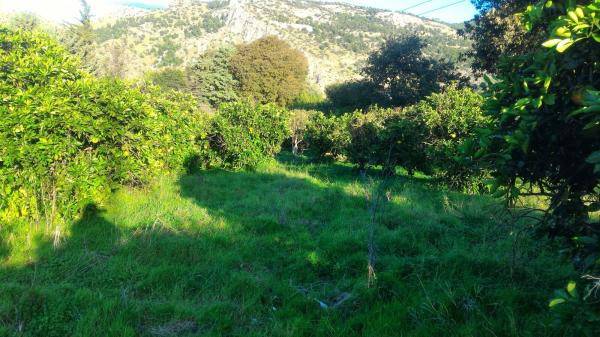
x: 425, y: 137
x: 353, y: 95
x: 327, y: 136
x: 366, y: 143
x: 67, y: 138
x: 243, y: 135
x: 168, y: 78
x: 449, y: 120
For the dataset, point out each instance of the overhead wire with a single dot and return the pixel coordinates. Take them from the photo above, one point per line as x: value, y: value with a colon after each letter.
x: 442, y: 7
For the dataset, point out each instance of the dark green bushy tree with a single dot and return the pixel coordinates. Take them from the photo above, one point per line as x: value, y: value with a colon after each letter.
x: 169, y: 78
x: 358, y: 94
x: 210, y: 78
x: 404, y: 74
x: 496, y: 32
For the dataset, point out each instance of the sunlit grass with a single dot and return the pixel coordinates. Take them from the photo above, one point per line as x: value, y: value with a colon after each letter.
x: 269, y: 253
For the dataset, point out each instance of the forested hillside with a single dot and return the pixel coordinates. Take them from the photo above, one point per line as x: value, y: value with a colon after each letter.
x: 336, y: 38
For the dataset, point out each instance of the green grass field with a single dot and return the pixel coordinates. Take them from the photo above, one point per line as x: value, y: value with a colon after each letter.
x: 281, y: 251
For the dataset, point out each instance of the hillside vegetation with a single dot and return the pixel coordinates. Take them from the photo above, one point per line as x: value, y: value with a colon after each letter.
x: 228, y: 197
x: 336, y: 38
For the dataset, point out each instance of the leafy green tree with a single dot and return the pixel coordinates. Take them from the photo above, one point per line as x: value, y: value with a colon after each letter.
x: 210, y: 79
x: 448, y: 120
x: 545, y: 136
x: 404, y: 74
x: 496, y: 32
x: 270, y: 70
x: 327, y: 137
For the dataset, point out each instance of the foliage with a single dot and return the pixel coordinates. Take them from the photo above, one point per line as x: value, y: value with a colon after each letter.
x: 80, y: 37
x: 67, y: 138
x: 243, y: 135
x: 168, y: 78
x: 449, y: 120
x: 356, y: 94
x: 496, y: 32
x: 366, y: 130
x: 298, y: 123
x: 210, y: 79
x: 309, y: 99
x: 25, y: 21
x: 212, y: 24
x: 427, y: 137
x: 545, y: 135
x: 166, y: 53
x: 404, y: 74
x: 269, y: 70
x: 327, y: 136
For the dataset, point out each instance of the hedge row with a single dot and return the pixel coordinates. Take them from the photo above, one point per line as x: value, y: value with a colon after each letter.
x: 426, y: 137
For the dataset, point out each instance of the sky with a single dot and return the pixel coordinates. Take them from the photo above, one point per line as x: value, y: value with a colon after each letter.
x: 67, y: 10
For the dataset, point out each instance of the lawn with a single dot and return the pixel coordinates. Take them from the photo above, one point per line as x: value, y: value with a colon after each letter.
x: 280, y: 251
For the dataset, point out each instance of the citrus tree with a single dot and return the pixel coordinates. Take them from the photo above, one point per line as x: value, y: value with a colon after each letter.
x: 545, y: 134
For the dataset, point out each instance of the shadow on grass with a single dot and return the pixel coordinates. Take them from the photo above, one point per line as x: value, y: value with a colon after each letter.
x: 273, y: 245
x: 258, y: 263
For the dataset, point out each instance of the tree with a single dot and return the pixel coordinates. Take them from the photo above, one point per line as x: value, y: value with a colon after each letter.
x: 404, y: 74
x: 80, y: 36
x: 298, y: 123
x: 497, y: 32
x: 210, y: 79
x: 270, y: 70
x: 545, y: 135
x: 356, y: 94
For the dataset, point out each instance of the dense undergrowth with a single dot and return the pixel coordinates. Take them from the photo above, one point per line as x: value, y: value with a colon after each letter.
x: 281, y: 251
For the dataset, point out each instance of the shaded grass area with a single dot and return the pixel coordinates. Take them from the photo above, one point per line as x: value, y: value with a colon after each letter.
x: 281, y: 251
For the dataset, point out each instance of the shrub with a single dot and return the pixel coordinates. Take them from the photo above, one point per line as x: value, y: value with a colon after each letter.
x: 327, y: 136
x: 269, y: 70
x: 353, y: 95
x: 67, y: 138
x: 366, y: 143
x: 449, y: 119
x: 243, y: 135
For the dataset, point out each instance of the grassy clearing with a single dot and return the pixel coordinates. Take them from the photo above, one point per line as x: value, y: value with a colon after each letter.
x: 262, y: 253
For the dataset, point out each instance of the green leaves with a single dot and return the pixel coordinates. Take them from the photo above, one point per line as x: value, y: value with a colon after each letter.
x: 243, y: 135
x: 69, y: 137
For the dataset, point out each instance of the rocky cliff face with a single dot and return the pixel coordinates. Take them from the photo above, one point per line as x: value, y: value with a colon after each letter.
x: 336, y: 38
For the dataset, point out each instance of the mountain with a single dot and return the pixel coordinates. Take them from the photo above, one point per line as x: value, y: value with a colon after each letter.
x: 336, y: 38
